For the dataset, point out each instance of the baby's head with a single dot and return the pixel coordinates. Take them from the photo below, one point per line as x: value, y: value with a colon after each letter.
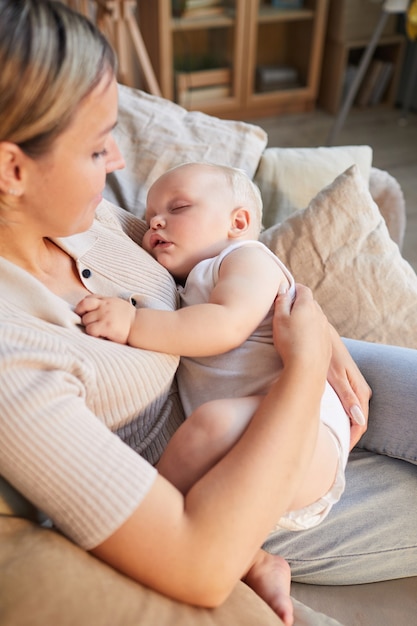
x: 245, y: 193
x: 195, y: 210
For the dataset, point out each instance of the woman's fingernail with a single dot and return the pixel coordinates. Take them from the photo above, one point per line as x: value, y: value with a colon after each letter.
x: 282, y: 289
x: 357, y: 415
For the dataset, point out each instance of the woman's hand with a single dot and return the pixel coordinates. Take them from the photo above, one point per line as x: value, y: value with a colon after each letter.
x: 301, y: 329
x: 351, y: 387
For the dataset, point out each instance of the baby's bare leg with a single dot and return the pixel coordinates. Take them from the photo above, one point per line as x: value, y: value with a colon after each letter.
x: 204, y: 438
x: 321, y: 473
x: 332, y: 449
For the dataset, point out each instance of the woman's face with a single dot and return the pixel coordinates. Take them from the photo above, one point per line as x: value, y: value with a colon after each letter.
x: 64, y: 186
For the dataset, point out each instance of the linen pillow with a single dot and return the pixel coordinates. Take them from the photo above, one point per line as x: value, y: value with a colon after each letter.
x: 155, y: 134
x: 340, y: 247
x: 290, y: 177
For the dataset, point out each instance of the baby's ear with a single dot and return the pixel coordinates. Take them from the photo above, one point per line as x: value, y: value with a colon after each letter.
x: 240, y: 222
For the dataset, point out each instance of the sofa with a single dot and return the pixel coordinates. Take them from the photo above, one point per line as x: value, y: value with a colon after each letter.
x: 326, y: 211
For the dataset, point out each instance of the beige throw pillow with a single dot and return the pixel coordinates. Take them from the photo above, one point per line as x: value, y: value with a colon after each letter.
x: 155, y: 134
x: 340, y: 247
x: 290, y: 177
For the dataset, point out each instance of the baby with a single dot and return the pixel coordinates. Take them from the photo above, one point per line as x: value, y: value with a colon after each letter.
x: 204, y: 223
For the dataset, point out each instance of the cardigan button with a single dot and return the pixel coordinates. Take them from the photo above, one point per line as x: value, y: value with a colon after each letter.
x: 86, y: 273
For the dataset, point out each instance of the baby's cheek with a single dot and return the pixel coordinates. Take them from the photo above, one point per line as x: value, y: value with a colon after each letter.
x: 145, y: 241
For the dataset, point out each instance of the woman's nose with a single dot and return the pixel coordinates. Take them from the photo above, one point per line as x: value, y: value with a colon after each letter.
x: 114, y: 161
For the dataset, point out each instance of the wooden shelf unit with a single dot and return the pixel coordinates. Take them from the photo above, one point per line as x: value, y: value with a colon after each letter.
x: 351, y: 24
x: 249, y: 34
x: 339, y: 55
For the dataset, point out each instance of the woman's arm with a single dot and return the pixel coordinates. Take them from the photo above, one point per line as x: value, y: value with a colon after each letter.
x: 209, y: 536
x: 351, y: 387
x: 238, y: 303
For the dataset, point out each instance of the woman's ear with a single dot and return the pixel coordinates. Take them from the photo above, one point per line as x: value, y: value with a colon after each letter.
x: 10, y: 168
x: 240, y: 222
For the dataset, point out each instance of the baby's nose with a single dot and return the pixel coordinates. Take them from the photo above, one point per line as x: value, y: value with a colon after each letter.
x: 157, y: 222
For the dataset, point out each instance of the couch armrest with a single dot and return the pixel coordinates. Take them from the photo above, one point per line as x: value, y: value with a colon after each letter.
x: 389, y: 197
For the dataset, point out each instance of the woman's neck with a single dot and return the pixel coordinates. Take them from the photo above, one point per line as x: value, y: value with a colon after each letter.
x: 33, y: 255
x: 49, y: 264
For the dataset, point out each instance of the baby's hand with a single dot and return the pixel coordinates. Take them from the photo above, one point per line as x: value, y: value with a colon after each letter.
x: 110, y: 318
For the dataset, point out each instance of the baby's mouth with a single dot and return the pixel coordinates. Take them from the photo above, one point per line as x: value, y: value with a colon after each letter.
x: 157, y: 241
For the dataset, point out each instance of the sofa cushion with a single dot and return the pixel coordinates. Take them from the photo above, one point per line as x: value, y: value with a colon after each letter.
x: 45, y: 579
x: 155, y: 134
x: 382, y: 603
x: 290, y: 177
x: 340, y: 247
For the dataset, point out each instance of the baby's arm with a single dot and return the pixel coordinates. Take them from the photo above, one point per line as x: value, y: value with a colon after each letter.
x: 248, y: 283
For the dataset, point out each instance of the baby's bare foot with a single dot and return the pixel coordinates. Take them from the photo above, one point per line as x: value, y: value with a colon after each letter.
x: 270, y: 578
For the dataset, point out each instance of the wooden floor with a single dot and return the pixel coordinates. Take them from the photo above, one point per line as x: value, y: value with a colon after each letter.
x: 392, y: 136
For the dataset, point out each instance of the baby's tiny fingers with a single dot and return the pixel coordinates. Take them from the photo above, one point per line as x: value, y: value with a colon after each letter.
x: 89, y: 303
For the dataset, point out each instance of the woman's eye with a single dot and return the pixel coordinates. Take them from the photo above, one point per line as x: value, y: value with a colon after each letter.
x: 101, y: 154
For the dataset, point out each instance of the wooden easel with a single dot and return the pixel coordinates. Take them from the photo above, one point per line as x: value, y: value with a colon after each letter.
x: 116, y: 19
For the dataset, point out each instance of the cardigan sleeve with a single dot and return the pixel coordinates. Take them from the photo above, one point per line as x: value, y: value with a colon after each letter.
x: 55, y: 450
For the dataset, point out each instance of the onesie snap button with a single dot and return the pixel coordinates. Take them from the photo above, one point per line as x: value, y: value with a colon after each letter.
x: 86, y: 273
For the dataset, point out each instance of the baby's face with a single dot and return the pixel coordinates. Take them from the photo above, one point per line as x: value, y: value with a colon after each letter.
x: 188, y: 212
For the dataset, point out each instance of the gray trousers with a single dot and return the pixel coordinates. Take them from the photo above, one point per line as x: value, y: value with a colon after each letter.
x: 371, y: 533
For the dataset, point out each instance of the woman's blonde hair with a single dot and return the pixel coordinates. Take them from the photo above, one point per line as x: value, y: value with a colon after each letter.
x: 50, y: 59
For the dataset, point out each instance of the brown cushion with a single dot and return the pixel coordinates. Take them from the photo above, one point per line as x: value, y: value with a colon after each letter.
x: 45, y: 580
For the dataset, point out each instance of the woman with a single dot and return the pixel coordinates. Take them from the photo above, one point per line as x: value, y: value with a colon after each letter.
x: 83, y: 421
x: 65, y: 395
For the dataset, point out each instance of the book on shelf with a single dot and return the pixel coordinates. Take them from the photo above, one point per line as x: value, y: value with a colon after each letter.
x: 275, y: 77
x: 368, y: 83
x: 194, y: 4
x: 202, y: 78
x: 197, y: 87
x: 197, y: 8
x: 202, y: 12
x: 375, y: 83
x: 382, y: 84
x: 203, y: 95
